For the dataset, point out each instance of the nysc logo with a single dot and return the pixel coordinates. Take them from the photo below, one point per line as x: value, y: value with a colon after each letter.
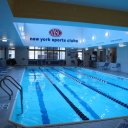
x: 55, y: 32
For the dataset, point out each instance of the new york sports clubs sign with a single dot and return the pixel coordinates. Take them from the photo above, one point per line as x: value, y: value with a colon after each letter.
x: 54, y: 33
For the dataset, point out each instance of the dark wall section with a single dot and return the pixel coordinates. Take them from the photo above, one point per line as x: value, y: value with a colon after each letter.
x: 67, y: 12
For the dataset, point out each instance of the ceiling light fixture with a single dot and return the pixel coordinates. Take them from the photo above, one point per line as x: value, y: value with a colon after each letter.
x: 121, y: 45
x: 21, y: 28
x: 80, y: 41
x: 106, y: 34
x: 4, y: 39
x: 84, y: 40
x: 93, y: 38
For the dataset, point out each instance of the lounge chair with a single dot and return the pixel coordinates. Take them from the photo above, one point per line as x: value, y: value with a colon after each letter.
x: 117, y: 67
x: 105, y: 66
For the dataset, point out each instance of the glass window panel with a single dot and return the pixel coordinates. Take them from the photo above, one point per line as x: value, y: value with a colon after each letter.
x: 79, y: 50
x: 56, y: 55
x: 38, y: 55
x: 62, y: 48
x: 56, y: 48
x: 37, y: 47
x: 44, y: 48
x: 31, y: 47
x: 44, y: 54
x: 50, y: 48
x: 31, y: 54
x: 11, y: 54
x: 62, y: 55
x: 50, y: 55
x: 80, y: 55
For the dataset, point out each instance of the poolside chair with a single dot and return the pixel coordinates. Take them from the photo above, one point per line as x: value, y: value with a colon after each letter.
x: 105, y: 66
x: 117, y: 67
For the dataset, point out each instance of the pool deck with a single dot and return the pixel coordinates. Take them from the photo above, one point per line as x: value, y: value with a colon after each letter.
x: 6, y: 107
x: 117, y: 73
x: 6, y: 104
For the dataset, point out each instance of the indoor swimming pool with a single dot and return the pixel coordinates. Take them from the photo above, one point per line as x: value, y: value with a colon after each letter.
x: 54, y: 95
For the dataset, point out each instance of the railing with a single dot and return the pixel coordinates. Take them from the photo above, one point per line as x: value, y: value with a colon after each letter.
x: 9, y: 92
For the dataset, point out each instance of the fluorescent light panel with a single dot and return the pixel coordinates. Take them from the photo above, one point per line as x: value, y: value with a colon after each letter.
x: 4, y: 40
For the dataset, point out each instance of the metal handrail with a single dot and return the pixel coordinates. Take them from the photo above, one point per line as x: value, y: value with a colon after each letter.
x: 14, y: 83
x: 5, y: 89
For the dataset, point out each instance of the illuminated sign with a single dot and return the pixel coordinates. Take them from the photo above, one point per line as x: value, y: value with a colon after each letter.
x: 55, y: 32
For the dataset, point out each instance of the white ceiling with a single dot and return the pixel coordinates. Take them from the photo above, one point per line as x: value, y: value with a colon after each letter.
x: 108, y: 4
x: 71, y: 36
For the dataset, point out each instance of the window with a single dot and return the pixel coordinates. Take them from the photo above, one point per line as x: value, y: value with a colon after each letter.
x: 11, y: 53
x: 56, y: 55
x: 44, y: 54
x: 62, y: 48
x: 31, y: 54
x: 31, y: 47
x: 49, y: 53
x: 80, y: 54
x: 62, y: 55
x: 38, y: 55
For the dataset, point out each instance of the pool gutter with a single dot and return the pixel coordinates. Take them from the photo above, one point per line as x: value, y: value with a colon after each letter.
x: 117, y: 120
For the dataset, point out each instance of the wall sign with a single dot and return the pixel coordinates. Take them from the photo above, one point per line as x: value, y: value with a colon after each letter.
x: 47, y: 39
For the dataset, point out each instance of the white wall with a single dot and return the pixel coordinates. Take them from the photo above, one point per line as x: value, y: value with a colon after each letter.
x: 122, y: 58
x: 21, y: 55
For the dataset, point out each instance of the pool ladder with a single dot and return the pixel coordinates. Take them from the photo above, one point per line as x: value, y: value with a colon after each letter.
x: 9, y: 91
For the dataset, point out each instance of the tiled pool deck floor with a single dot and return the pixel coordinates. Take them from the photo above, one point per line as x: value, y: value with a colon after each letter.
x: 5, y: 103
x: 6, y: 107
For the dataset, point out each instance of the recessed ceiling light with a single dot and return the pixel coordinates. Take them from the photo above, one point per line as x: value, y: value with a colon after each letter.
x: 21, y: 28
x: 106, y: 34
x: 80, y: 41
x: 4, y: 40
x: 93, y: 38
x: 84, y: 40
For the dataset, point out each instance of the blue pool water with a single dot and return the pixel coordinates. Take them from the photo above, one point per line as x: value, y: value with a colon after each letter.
x: 53, y: 95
